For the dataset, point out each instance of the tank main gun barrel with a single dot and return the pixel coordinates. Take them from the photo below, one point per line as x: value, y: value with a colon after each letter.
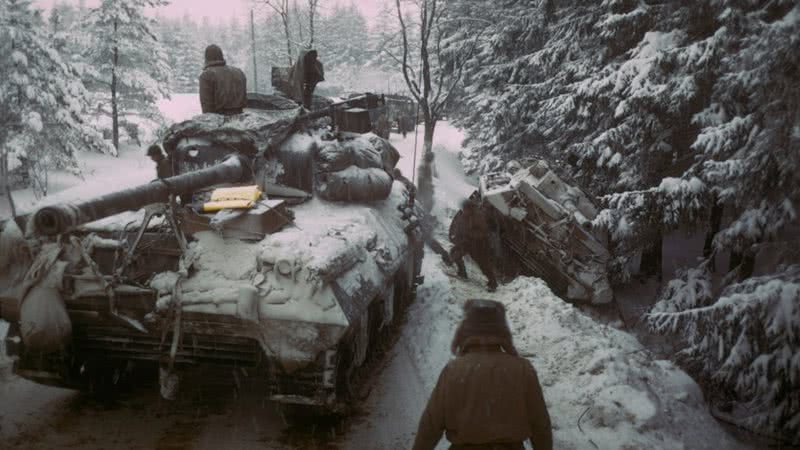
x: 57, y: 219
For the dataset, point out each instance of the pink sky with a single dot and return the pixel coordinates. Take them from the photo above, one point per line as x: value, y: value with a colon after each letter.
x: 226, y: 8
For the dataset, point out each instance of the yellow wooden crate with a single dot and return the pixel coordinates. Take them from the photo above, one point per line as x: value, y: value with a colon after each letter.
x: 249, y: 193
x: 223, y: 204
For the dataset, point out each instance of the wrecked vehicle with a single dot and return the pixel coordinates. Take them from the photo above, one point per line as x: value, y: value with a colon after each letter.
x: 278, y: 251
x: 547, y: 225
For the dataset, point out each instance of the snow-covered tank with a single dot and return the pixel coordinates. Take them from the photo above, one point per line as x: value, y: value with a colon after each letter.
x: 293, y: 288
x: 547, y: 224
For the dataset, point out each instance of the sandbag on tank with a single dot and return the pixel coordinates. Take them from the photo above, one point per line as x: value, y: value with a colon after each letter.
x: 354, y: 184
x: 364, y: 151
x: 43, y: 320
x: 335, y: 156
x: 388, y: 153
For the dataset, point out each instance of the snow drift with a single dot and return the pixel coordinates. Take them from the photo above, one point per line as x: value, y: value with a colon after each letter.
x: 603, y: 389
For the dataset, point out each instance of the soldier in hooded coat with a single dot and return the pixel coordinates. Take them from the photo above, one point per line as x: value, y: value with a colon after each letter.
x: 488, y: 397
x: 306, y: 73
x: 223, y: 88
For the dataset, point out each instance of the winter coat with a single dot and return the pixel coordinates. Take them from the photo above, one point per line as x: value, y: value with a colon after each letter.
x: 469, y: 228
x: 486, y: 396
x: 305, y: 72
x: 223, y: 89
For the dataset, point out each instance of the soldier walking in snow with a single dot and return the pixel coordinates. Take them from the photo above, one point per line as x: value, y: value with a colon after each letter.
x: 487, y: 397
x: 223, y: 88
x: 470, y: 234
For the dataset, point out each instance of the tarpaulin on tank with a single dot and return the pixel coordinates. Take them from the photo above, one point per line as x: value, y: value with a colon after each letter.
x: 250, y: 133
x: 43, y: 320
x: 355, y: 185
x: 357, y: 168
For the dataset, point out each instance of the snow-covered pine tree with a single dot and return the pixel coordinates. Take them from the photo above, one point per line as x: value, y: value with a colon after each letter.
x: 666, y: 110
x: 748, y: 339
x: 184, y: 52
x: 606, y: 93
x: 271, y: 49
x: 342, y: 37
x: 42, y: 100
x: 127, y: 66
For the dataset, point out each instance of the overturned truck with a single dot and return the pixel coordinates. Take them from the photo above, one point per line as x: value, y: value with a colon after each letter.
x: 277, y: 250
x: 547, y: 226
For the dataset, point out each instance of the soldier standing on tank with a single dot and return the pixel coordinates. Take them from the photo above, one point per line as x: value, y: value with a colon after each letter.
x: 223, y: 88
x: 306, y: 74
x: 488, y: 397
x: 470, y: 234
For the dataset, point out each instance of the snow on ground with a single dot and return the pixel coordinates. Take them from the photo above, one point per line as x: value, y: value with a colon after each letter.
x: 180, y: 107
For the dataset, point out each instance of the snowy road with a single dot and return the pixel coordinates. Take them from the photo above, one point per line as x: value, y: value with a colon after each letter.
x: 604, y: 390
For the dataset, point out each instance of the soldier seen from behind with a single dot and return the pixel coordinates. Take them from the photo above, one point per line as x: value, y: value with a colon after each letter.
x: 223, y: 88
x: 306, y: 74
x: 488, y: 397
x: 471, y: 235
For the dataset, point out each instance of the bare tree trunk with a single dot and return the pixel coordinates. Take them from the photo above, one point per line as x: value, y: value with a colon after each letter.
x: 6, y: 182
x: 281, y: 8
x: 286, y: 30
x: 114, y: 112
x: 312, y: 11
x: 288, y: 41
x: 299, y: 22
x: 5, y: 121
x: 427, y: 141
x: 253, y: 45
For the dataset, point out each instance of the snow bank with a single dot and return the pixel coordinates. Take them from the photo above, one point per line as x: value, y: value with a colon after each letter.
x: 602, y: 387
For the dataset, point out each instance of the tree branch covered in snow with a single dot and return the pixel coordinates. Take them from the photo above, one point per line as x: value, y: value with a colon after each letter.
x: 665, y: 111
x: 748, y: 339
x: 43, y: 106
x: 126, y: 65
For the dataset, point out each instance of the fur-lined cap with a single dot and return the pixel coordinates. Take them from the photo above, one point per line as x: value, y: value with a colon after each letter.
x: 213, y: 54
x: 484, y: 314
x: 484, y: 323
